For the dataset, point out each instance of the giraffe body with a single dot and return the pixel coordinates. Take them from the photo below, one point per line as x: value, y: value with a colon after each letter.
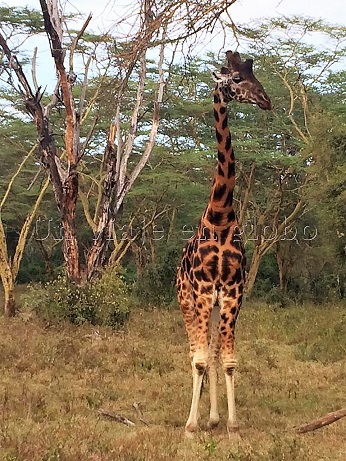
x: 211, y: 276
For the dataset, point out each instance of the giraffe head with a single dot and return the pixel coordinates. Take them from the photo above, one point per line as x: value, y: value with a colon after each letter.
x: 236, y: 82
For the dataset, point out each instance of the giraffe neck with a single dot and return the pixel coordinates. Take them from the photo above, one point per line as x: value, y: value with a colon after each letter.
x: 220, y: 212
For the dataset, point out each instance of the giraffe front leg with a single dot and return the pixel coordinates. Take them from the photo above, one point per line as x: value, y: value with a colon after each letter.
x: 192, y: 421
x: 200, y: 358
x: 229, y: 313
x: 214, y: 349
x: 232, y: 424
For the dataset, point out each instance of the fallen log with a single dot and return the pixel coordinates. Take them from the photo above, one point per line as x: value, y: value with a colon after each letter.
x: 321, y: 422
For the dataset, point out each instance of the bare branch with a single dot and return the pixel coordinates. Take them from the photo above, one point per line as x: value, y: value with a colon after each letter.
x: 118, y: 418
x: 75, y: 42
x: 33, y: 68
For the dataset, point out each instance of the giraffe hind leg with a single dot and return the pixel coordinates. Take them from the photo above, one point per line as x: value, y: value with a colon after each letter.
x: 229, y: 312
x: 200, y: 358
x: 214, y: 349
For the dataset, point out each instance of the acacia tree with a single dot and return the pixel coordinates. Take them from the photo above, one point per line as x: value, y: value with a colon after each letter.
x: 159, y: 23
x: 9, y: 265
x: 295, y: 70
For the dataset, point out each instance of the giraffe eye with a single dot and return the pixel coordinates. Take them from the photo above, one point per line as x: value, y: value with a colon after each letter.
x: 236, y: 78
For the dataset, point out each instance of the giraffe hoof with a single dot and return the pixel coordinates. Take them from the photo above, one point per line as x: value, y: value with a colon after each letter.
x: 189, y: 435
x: 213, y: 423
x: 233, y: 431
x: 190, y: 430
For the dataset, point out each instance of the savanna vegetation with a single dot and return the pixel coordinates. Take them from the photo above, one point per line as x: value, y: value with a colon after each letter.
x: 105, y: 175
x: 55, y: 380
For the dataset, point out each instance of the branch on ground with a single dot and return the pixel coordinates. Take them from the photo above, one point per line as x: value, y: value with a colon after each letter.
x: 321, y: 422
x: 118, y: 418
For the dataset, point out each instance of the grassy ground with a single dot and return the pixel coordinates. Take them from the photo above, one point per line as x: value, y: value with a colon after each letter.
x: 292, y: 368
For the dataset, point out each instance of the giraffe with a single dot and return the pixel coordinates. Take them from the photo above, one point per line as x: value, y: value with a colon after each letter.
x: 211, y: 275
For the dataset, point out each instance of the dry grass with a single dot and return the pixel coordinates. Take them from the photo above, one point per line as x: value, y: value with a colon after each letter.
x: 292, y: 368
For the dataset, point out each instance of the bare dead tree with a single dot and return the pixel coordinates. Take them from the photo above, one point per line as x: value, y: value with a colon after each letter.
x: 159, y: 23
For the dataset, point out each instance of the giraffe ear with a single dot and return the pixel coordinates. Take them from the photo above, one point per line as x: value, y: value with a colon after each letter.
x: 248, y: 65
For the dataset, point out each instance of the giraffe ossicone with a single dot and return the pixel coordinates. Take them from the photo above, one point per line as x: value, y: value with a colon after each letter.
x: 211, y: 275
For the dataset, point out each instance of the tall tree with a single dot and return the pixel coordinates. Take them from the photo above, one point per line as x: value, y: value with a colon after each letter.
x: 123, y: 62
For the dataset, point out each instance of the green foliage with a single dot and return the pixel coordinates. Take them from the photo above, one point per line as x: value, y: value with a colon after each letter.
x: 156, y: 285
x: 101, y: 302
x: 26, y: 19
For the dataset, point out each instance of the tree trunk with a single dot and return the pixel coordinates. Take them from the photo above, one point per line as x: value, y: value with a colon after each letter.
x: 283, y: 263
x: 10, y: 304
x: 8, y: 284
x: 252, y: 274
x: 68, y: 219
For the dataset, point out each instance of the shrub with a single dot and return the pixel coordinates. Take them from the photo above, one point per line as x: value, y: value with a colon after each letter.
x: 156, y: 285
x: 101, y: 302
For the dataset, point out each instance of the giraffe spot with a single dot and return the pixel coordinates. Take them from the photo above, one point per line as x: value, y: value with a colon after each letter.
x: 221, y: 156
x: 224, y: 317
x: 206, y: 250
x: 219, y: 192
x: 217, y: 99
x: 212, y: 266
x: 234, y: 255
x: 206, y: 289
x: 231, y: 170
x: 216, y: 116
x: 218, y: 136
x: 232, y: 324
x: 229, y: 199
x: 233, y: 310
x: 223, y: 236
x: 222, y: 110
x: 215, y: 217
x: 228, y: 144
x: 231, y: 216
x: 238, y: 276
x: 224, y: 123
x: 220, y: 171
x: 231, y: 294
x: 196, y: 261
x: 232, y: 155
x: 200, y: 275
x: 225, y: 268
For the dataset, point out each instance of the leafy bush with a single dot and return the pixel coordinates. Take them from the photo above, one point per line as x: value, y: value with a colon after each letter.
x: 101, y: 302
x: 156, y: 285
x: 277, y: 297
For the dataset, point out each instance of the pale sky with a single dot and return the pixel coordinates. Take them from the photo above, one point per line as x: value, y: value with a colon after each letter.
x: 332, y: 11
x: 106, y: 12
